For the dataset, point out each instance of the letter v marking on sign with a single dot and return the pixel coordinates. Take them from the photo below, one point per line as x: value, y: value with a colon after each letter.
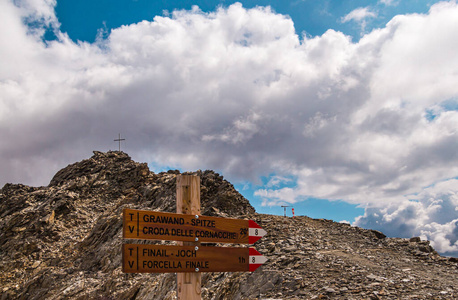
x: 131, y: 228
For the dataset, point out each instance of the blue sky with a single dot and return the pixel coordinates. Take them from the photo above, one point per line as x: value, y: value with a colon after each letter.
x: 82, y: 19
x: 344, y: 110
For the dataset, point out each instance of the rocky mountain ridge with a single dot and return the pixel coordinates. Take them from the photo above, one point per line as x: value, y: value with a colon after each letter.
x: 63, y: 241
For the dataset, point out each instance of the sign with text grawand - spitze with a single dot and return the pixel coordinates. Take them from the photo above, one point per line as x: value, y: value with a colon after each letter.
x: 142, y: 224
x: 138, y: 258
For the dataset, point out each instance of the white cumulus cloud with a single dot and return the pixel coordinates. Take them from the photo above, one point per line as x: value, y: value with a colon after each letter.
x: 432, y: 214
x: 360, y: 15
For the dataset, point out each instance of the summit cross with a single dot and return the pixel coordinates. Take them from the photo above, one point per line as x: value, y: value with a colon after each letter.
x: 119, y: 139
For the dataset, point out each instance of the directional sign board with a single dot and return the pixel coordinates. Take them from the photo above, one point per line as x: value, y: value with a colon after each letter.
x: 171, y: 259
x: 142, y: 224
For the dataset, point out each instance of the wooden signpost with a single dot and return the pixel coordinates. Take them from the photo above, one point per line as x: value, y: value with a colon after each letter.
x: 188, y: 258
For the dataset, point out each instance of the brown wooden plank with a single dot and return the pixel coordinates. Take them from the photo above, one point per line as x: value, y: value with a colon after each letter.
x: 142, y: 224
x: 170, y: 259
x: 189, y: 285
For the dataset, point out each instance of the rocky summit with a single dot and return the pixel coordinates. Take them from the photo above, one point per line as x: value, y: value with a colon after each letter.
x: 63, y: 241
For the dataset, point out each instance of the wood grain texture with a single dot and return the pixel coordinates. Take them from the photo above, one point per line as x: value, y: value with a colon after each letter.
x: 142, y: 224
x: 139, y: 258
x: 189, y: 285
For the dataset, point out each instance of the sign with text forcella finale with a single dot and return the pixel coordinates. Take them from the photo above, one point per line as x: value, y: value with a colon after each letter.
x: 142, y: 224
x: 170, y: 259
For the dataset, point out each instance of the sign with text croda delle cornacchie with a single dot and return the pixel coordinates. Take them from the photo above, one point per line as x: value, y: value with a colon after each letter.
x: 142, y: 224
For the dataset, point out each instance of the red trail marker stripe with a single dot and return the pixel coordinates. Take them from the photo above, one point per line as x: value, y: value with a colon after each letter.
x: 256, y: 259
x: 255, y: 232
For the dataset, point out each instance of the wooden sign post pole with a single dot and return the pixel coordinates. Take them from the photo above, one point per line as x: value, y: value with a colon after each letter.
x: 188, y: 202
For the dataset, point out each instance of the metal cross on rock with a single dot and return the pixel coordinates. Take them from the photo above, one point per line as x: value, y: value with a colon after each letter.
x: 119, y: 139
